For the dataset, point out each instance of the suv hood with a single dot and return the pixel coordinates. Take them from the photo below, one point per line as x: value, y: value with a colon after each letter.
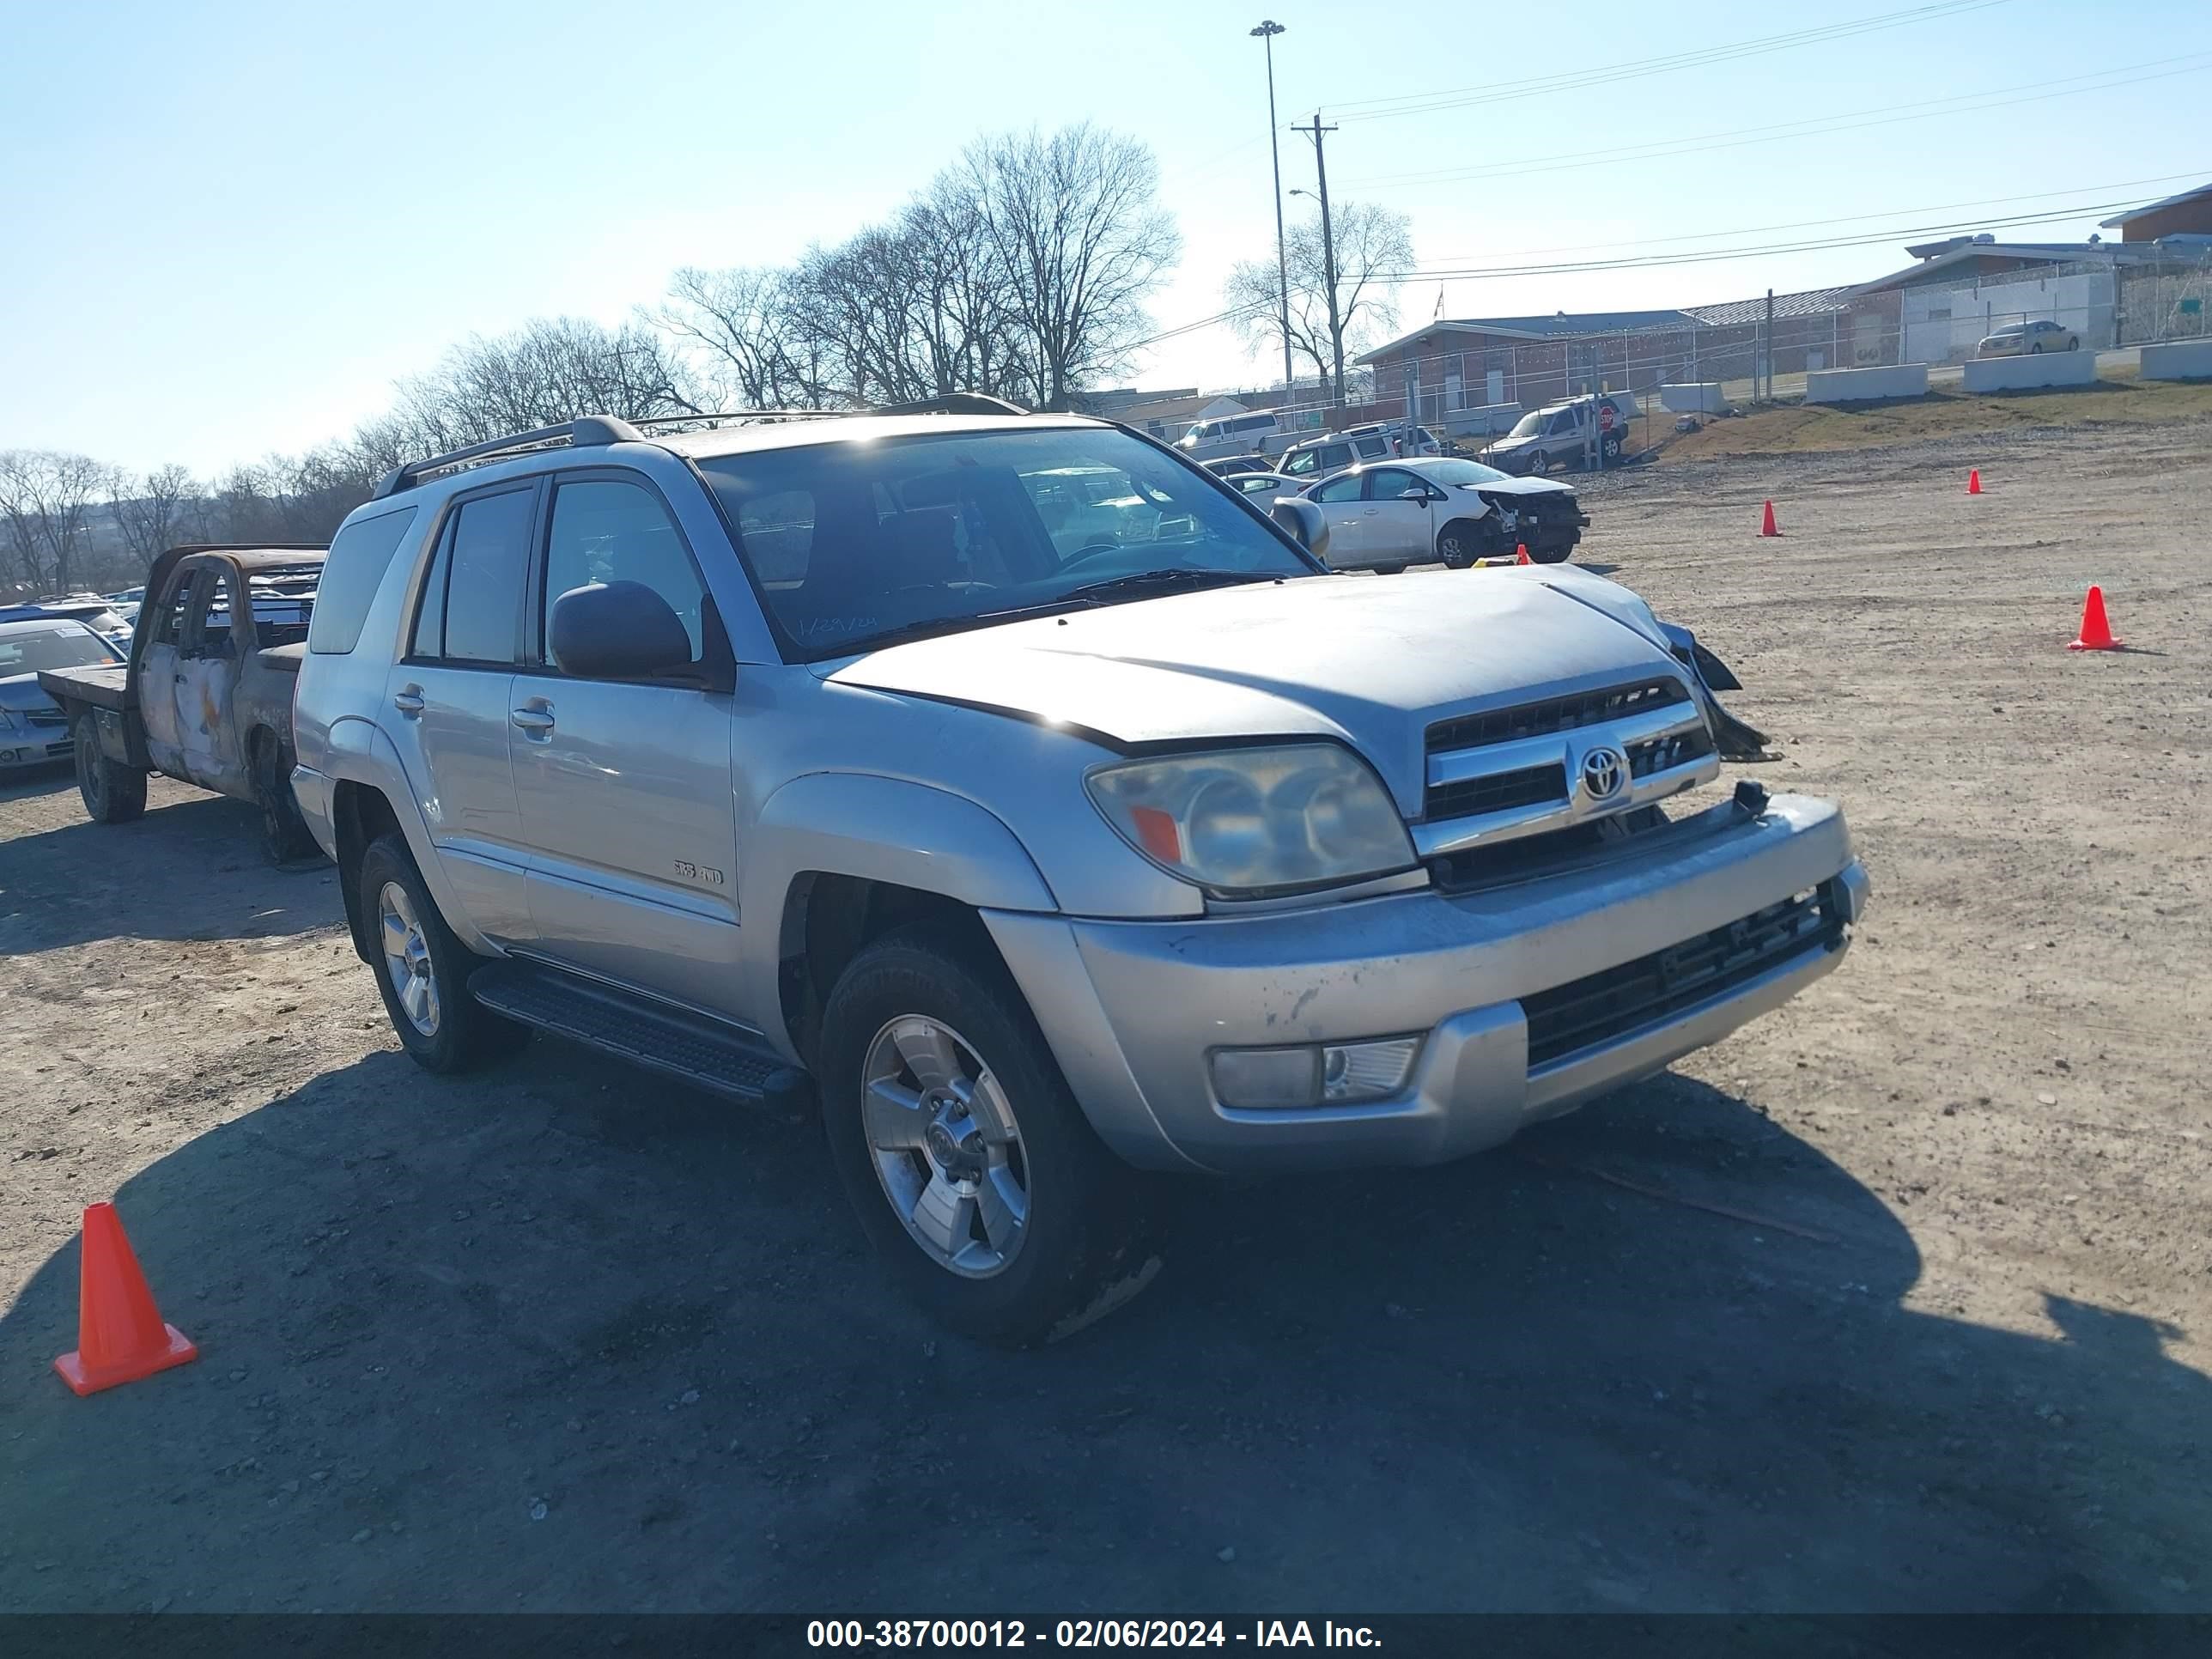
x: 1372, y: 661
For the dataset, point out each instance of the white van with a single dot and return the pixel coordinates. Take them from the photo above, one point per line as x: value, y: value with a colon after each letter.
x: 1256, y: 434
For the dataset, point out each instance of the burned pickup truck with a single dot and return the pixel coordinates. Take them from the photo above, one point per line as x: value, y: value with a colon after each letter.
x: 207, y: 694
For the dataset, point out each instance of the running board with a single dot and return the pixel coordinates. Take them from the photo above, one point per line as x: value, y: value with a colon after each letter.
x: 695, y: 1049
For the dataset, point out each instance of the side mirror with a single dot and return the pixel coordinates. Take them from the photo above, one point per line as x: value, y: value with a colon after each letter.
x: 617, y: 631
x: 1305, y: 521
x: 1418, y: 494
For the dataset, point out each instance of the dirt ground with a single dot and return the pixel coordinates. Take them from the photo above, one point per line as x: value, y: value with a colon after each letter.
x: 1899, y: 1299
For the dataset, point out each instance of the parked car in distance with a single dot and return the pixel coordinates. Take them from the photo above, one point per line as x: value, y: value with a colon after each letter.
x: 2026, y: 339
x: 206, y: 694
x: 33, y: 729
x: 1228, y: 467
x: 1424, y: 440
x: 1049, y: 860
x: 1386, y: 516
x: 1264, y: 486
x: 96, y: 613
x: 1557, y: 438
x: 1332, y: 452
x: 1261, y: 432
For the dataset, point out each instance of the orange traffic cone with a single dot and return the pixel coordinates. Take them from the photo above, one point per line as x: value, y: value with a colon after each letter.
x: 1769, y: 528
x: 2096, y: 632
x: 119, y: 1334
x: 1521, y: 553
x: 1974, y: 481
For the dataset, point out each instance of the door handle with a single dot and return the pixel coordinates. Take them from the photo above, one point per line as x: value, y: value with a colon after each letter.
x: 408, y: 700
x: 537, y: 720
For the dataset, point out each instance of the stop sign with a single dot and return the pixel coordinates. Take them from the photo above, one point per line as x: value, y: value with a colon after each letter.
x: 1604, y: 417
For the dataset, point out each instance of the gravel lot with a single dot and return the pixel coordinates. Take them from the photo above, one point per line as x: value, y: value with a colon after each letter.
x: 1899, y: 1299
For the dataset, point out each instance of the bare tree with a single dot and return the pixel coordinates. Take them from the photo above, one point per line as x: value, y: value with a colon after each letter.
x: 153, y: 511
x: 45, y: 497
x: 1374, y: 249
x: 1074, y: 225
x: 743, y: 321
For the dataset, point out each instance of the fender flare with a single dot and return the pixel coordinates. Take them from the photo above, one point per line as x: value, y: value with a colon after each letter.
x: 358, y: 751
x: 877, y: 828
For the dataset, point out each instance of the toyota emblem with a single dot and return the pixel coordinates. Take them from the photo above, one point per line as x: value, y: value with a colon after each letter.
x: 1604, y: 771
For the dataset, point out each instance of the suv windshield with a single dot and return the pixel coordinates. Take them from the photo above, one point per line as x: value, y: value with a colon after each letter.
x: 851, y: 542
x: 28, y: 650
x: 1527, y: 425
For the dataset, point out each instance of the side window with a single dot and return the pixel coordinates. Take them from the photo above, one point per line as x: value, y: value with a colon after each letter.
x: 1346, y: 489
x: 607, y: 531
x: 214, y: 636
x: 358, y: 557
x: 472, y: 607
x: 1387, y: 484
x: 169, y: 620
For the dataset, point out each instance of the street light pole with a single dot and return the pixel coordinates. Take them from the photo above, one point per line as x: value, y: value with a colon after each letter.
x: 1268, y: 31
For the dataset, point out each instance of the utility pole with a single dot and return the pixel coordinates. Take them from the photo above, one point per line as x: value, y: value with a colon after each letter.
x: 1268, y: 31
x: 1768, y: 361
x: 1329, y: 259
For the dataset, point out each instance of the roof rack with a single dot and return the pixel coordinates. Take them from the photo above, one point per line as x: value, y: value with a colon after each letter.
x: 612, y: 430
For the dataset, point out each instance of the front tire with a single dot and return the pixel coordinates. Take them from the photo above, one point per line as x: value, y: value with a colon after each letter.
x: 423, y: 969
x: 1456, y: 543
x: 1539, y: 465
x: 972, y: 1169
x: 113, y: 792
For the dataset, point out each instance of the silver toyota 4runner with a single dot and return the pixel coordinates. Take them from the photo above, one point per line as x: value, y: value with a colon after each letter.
x: 1058, y: 830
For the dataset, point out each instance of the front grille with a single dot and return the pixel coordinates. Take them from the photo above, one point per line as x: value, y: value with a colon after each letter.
x: 46, y: 717
x: 1584, y: 1012
x: 1541, y: 720
x: 1660, y: 754
x: 1532, y: 786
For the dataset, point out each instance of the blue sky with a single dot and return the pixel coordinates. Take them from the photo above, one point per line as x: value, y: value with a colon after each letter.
x: 232, y: 227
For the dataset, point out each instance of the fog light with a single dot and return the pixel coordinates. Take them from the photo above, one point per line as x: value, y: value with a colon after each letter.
x: 1366, y: 1071
x: 1337, y: 1074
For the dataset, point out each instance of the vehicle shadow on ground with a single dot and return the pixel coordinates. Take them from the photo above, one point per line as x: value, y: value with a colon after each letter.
x: 77, y: 884
x: 49, y: 779
x: 564, y: 1338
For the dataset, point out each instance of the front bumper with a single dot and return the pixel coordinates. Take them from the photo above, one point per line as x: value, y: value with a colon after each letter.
x: 1134, y: 1009
x: 40, y: 745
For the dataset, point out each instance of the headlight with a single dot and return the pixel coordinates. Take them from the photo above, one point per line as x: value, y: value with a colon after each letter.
x: 1246, y: 821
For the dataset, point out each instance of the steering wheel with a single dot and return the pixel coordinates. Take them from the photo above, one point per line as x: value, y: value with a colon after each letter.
x: 1089, y: 551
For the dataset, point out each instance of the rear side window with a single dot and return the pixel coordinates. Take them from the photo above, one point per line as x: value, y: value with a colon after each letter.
x: 358, y: 557
x: 473, y: 603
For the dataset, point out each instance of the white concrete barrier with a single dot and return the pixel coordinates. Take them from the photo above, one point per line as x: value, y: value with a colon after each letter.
x: 1865, y: 386
x: 2037, y: 368
x: 1693, y: 397
x: 2183, y: 359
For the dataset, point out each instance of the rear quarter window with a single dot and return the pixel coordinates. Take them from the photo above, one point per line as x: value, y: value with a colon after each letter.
x: 352, y: 573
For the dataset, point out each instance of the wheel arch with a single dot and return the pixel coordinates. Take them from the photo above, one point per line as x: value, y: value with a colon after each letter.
x: 837, y: 859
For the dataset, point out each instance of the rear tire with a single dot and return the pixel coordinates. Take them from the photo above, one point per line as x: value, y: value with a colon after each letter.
x: 113, y: 792
x: 2072, y: 342
x: 972, y: 1169
x: 443, y: 1028
x: 285, y: 838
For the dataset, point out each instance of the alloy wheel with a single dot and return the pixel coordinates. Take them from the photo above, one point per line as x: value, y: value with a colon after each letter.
x: 407, y: 959
x: 946, y: 1149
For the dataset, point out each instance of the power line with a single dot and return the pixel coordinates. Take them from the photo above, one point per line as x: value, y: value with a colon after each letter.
x: 1739, y: 138
x: 1479, y: 273
x: 1545, y: 86
x: 1641, y: 262
x: 1847, y: 218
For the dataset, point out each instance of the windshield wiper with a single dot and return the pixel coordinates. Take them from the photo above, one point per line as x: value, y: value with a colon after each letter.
x: 1140, y: 582
x: 930, y: 627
